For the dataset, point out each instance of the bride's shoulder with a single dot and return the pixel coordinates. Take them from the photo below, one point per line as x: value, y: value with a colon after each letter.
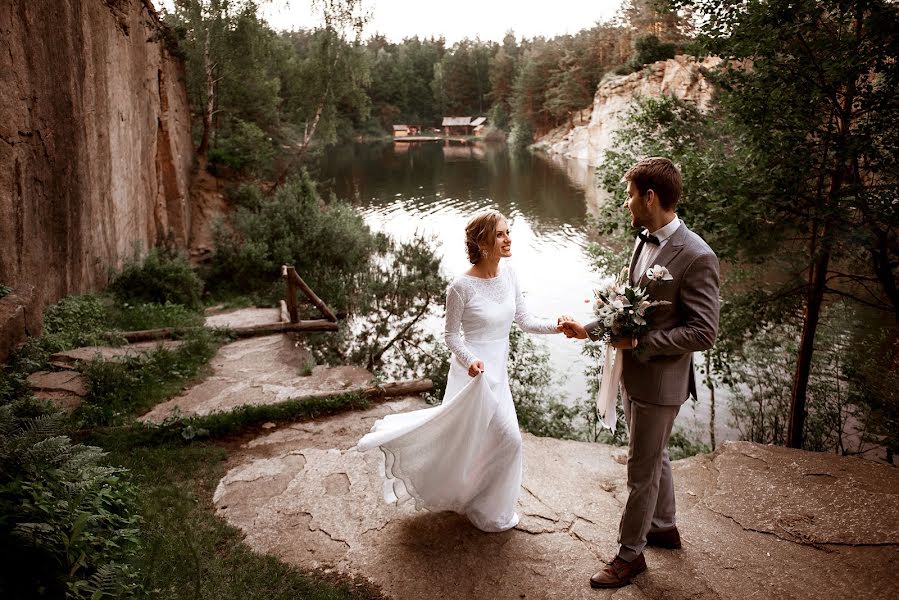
x: 460, y: 284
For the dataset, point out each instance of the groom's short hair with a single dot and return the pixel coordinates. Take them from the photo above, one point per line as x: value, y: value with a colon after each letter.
x: 660, y: 175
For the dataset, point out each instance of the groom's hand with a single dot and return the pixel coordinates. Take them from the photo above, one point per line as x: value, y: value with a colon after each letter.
x: 561, y: 321
x: 624, y: 343
x: 476, y: 367
x: 572, y: 329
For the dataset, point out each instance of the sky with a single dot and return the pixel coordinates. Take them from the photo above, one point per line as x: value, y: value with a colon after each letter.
x: 455, y: 20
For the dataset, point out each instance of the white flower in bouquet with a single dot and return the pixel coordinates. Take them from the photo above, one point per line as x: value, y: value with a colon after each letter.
x: 623, y: 310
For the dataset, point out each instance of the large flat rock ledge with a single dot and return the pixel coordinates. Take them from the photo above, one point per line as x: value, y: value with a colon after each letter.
x: 756, y: 521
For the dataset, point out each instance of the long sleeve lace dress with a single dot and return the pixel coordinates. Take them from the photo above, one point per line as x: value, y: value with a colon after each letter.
x: 465, y: 455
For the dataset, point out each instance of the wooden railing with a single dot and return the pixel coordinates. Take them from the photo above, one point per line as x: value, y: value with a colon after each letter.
x: 294, y: 282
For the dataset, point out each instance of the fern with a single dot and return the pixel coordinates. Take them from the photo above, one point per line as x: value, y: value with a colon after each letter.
x: 67, y: 521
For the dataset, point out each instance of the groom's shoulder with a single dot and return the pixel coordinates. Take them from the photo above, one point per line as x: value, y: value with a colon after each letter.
x: 697, y: 246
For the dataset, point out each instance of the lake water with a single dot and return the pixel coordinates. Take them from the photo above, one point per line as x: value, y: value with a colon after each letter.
x: 433, y: 188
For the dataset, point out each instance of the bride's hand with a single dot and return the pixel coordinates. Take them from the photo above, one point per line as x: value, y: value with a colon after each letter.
x: 476, y: 367
x: 562, y: 321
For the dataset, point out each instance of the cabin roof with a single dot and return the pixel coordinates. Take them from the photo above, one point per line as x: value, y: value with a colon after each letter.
x: 456, y: 121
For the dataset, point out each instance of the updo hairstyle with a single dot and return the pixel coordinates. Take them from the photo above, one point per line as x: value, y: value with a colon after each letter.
x: 480, y: 234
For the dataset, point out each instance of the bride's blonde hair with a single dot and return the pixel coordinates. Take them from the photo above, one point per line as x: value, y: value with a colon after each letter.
x: 480, y: 234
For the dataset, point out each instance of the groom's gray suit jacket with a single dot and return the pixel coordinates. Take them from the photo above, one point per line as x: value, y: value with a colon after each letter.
x: 662, y: 372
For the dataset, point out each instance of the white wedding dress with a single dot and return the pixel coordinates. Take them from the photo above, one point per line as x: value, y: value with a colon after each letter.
x: 465, y: 455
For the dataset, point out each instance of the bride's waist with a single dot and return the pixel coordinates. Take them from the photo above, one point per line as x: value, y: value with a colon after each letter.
x: 486, y: 341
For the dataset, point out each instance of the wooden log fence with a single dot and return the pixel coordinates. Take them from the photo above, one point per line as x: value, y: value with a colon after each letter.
x: 294, y: 282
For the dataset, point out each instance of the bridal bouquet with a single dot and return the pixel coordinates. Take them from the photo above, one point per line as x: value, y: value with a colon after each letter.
x: 622, y: 311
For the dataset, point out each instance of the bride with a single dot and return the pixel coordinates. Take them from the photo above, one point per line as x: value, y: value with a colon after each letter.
x: 465, y: 455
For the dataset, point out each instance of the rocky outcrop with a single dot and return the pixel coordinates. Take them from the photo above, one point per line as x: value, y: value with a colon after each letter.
x: 680, y: 77
x: 95, y: 146
x: 756, y: 521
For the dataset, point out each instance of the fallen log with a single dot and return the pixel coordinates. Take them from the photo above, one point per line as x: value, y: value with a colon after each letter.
x: 163, y: 333
x: 399, y: 388
x: 392, y: 389
x: 269, y: 328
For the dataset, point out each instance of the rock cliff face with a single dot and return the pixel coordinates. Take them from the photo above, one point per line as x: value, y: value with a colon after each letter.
x: 680, y: 77
x: 95, y: 146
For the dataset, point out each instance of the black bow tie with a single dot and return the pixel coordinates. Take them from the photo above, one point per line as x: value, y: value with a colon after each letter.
x: 649, y: 238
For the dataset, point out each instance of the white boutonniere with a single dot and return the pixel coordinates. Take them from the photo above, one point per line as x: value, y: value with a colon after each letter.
x: 658, y: 273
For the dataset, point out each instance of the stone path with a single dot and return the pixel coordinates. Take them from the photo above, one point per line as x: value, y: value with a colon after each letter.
x: 757, y: 522
x: 68, y: 359
x: 262, y: 370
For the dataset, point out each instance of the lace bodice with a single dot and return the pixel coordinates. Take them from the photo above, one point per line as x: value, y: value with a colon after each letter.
x: 482, y: 310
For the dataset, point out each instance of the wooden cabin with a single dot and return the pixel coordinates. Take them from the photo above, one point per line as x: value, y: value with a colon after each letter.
x: 401, y: 131
x: 478, y: 126
x: 457, y: 126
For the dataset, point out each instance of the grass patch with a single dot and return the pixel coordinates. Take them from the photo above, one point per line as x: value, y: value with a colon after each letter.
x: 124, y: 388
x: 136, y: 317
x: 222, y: 425
x: 77, y: 321
x: 188, y: 551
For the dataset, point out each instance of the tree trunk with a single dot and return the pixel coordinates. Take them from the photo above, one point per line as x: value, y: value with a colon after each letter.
x: 308, y: 133
x: 376, y: 357
x: 806, y: 349
x: 710, y: 383
x: 880, y: 257
x: 209, y: 68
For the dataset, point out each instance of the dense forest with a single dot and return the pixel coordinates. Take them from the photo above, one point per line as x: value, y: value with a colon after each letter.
x: 258, y: 93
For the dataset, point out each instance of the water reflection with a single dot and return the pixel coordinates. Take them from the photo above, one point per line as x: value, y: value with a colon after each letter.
x: 433, y: 188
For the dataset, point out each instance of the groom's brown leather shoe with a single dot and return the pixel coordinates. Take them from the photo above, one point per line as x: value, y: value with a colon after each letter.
x: 618, y: 573
x: 668, y: 538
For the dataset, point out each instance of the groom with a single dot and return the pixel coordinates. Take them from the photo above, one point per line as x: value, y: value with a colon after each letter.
x: 660, y: 378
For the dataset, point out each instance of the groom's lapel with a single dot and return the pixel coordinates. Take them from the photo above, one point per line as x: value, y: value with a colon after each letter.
x: 666, y: 255
x: 630, y: 270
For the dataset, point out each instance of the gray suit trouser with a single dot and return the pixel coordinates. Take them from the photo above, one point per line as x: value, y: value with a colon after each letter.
x: 650, y: 500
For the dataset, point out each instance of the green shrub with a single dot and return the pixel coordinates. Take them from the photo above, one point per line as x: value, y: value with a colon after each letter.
x: 243, y: 147
x: 72, y: 322
x: 329, y: 244
x: 246, y: 196
x: 161, y: 277
x: 5, y: 290
x: 67, y: 522
x: 682, y: 445
x: 530, y: 378
x: 649, y: 49
x: 521, y: 136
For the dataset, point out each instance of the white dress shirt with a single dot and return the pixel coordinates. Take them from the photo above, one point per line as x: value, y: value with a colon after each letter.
x: 650, y: 251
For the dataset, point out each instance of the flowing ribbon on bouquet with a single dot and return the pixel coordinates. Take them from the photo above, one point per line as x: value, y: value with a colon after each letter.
x: 608, y: 388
